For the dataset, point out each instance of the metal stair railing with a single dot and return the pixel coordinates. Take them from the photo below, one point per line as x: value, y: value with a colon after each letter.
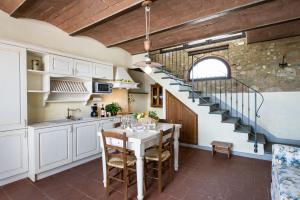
x: 229, y: 93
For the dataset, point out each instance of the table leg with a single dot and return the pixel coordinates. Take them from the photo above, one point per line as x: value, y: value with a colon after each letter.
x: 176, y: 149
x: 139, y: 153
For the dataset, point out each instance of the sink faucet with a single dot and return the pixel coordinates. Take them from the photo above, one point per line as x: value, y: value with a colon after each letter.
x: 69, y: 116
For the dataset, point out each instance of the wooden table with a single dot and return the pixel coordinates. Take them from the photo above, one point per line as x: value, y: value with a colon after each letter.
x: 222, y: 147
x: 138, y: 142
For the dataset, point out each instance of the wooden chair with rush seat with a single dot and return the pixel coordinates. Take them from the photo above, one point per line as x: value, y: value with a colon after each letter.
x: 160, y: 157
x: 119, y: 158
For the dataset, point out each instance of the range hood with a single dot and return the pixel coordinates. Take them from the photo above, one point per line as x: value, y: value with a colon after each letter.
x: 123, y: 79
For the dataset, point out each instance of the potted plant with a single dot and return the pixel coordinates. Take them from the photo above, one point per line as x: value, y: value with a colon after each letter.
x: 153, y: 115
x: 113, y: 108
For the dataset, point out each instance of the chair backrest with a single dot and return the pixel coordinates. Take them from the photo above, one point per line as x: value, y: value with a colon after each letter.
x: 117, y: 124
x: 165, y: 121
x: 115, y: 151
x: 168, y: 143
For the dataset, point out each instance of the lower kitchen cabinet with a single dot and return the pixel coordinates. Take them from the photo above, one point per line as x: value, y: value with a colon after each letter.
x: 13, y: 153
x: 53, y: 147
x: 85, y: 140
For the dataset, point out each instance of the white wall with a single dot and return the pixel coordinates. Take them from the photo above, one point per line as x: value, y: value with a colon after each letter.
x: 46, y: 35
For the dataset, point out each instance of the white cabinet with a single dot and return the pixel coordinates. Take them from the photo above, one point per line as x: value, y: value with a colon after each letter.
x: 85, y: 140
x: 61, y: 65
x: 83, y: 68
x: 103, y: 71
x: 13, y: 106
x: 53, y: 147
x: 13, y: 153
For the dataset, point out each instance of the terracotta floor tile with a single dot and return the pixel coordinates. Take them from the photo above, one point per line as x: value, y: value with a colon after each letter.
x: 200, y: 177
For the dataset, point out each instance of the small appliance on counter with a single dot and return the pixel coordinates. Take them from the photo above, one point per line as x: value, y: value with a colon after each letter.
x: 94, y: 112
x: 99, y: 87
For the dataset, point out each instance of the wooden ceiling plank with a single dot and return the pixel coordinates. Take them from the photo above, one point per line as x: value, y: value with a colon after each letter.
x: 278, y: 31
x: 11, y: 6
x: 253, y: 18
x: 124, y: 8
x: 195, y: 21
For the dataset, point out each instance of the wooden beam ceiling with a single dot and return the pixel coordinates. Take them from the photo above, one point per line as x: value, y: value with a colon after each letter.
x: 165, y: 15
x: 121, y: 23
x: 274, y: 32
x: 74, y: 16
x: 251, y: 18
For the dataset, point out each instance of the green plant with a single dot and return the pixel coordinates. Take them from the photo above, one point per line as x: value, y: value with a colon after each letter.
x: 113, y: 108
x: 139, y: 115
x: 153, y: 115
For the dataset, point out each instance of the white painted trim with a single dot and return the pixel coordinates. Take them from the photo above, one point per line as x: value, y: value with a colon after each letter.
x: 13, y: 179
x: 236, y: 153
x: 65, y: 167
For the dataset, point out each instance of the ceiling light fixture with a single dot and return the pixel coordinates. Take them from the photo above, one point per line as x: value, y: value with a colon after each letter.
x: 147, y: 64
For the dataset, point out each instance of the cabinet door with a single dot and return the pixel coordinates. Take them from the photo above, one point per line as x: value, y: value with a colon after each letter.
x: 13, y: 153
x: 85, y: 140
x: 13, y: 89
x: 102, y: 71
x: 54, y: 147
x: 61, y: 65
x: 83, y: 68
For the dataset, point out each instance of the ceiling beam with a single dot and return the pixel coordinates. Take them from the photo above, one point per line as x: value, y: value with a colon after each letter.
x: 195, y: 21
x: 124, y: 7
x: 274, y: 32
x: 10, y: 6
x: 275, y: 12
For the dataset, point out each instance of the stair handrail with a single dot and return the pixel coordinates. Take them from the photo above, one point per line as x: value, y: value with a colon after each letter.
x: 193, y: 90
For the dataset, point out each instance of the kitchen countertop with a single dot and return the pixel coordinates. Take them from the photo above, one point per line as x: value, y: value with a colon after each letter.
x: 68, y: 121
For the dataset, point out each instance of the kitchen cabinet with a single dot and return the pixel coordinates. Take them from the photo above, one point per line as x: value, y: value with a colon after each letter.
x: 83, y: 68
x: 13, y: 153
x: 61, y: 65
x: 13, y: 107
x: 53, y: 147
x: 85, y: 140
x: 102, y: 71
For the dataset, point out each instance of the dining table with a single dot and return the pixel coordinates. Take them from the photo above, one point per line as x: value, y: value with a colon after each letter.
x: 139, y: 141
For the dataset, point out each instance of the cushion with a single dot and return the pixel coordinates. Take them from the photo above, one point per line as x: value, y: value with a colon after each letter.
x: 285, y: 183
x: 118, y: 162
x: 286, y: 155
x: 152, y: 154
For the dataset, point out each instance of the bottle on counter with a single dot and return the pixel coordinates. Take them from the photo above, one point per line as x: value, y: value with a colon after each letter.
x: 102, y: 111
x: 94, y: 112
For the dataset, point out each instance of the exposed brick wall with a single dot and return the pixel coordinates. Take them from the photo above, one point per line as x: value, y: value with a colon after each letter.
x: 257, y: 64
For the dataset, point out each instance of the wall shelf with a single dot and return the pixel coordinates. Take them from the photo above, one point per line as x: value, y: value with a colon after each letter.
x: 35, y: 71
x: 36, y: 91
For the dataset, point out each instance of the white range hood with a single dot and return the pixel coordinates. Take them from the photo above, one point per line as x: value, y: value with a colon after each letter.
x: 123, y: 79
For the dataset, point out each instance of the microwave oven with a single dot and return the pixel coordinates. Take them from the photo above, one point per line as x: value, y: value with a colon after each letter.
x: 100, y: 87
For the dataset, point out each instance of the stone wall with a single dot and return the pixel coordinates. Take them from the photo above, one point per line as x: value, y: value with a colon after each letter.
x: 255, y: 64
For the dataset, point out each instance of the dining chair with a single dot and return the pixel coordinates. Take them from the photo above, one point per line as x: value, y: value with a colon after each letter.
x: 164, y: 121
x: 159, y: 156
x: 117, y: 124
x: 118, y: 157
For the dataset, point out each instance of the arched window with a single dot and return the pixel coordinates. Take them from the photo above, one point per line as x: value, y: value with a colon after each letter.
x: 210, y: 68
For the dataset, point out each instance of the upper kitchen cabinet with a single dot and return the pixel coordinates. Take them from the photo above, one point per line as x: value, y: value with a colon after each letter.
x: 13, y: 107
x: 61, y: 65
x: 103, y: 71
x: 83, y: 68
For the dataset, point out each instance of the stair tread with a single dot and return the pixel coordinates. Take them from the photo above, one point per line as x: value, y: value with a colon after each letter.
x: 243, y: 128
x: 218, y: 111
x: 207, y: 104
x: 260, y: 138
x: 231, y: 120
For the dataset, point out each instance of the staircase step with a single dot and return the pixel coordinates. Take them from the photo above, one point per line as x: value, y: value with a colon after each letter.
x: 218, y: 112
x: 268, y: 147
x: 182, y: 84
x: 209, y: 104
x: 260, y: 138
x: 231, y: 120
x: 241, y: 128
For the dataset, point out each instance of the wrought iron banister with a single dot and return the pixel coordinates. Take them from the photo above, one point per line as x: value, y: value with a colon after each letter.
x: 218, y: 89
